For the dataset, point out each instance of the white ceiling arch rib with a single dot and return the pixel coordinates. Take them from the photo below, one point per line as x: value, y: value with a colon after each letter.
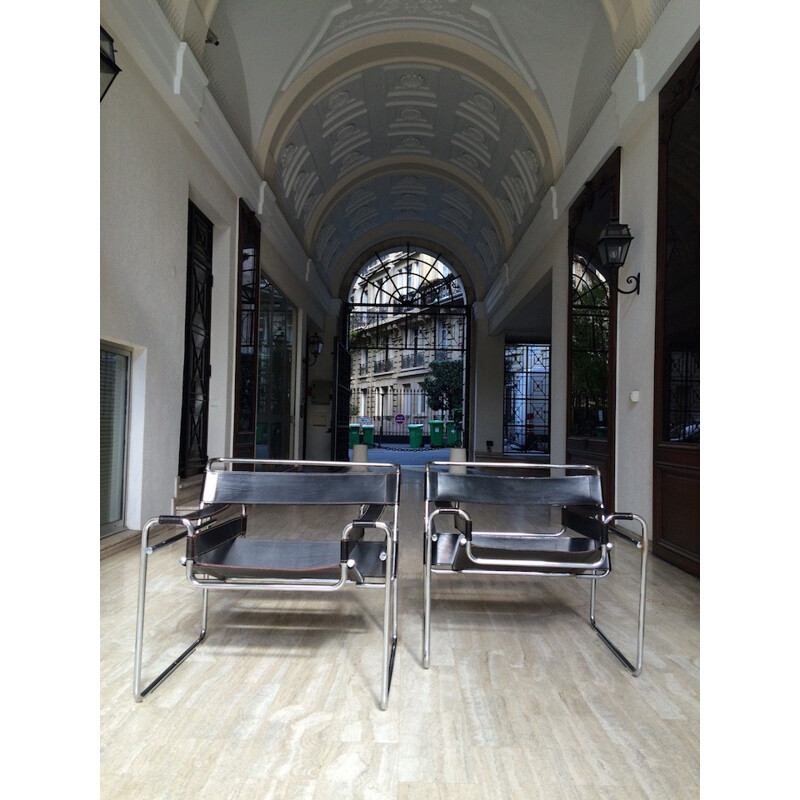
x: 627, y: 20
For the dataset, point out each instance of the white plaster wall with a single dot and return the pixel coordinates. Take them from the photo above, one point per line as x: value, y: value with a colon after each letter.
x: 636, y: 320
x: 629, y: 120
x: 556, y: 257
x: 149, y: 171
x: 487, y: 375
x: 318, y: 415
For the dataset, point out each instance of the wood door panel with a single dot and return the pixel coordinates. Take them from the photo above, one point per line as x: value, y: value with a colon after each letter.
x: 676, y: 535
x: 595, y: 452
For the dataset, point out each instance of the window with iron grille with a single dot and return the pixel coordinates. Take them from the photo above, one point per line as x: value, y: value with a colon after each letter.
x: 114, y: 391
x: 526, y: 412
x: 407, y: 313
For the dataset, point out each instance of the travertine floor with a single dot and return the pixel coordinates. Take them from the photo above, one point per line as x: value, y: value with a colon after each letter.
x: 522, y: 699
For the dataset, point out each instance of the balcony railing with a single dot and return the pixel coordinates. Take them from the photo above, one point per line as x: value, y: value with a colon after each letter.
x: 412, y: 360
x: 383, y: 365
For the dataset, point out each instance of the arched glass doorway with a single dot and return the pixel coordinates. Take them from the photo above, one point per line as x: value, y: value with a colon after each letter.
x: 592, y: 314
x: 407, y: 337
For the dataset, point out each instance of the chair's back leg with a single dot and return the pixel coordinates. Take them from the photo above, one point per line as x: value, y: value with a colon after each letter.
x: 137, y: 658
x: 389, y: 621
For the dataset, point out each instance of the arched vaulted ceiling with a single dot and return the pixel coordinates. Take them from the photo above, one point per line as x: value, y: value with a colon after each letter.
x: 438, y: 121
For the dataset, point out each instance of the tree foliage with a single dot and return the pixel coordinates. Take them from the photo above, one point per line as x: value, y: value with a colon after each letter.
x: 444, y: 385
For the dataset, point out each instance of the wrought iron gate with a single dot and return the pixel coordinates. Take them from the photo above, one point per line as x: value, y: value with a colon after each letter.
x: 408, y: 331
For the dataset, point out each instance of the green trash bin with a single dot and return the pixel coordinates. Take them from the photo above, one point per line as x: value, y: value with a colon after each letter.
x: 452, y: 433
x: 353, y: 435
x: 437, y: 433
x: 415, y: 436
x: 369, y: 435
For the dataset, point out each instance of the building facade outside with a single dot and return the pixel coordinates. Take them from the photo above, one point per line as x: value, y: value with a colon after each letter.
x: 407, y: 310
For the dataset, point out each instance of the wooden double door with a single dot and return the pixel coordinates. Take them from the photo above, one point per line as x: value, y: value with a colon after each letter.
x: 676, y: 450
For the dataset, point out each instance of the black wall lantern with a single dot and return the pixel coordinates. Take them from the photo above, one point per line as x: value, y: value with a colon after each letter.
x: 108, y: 64
x: 315, y: 346
x: 613, y: 244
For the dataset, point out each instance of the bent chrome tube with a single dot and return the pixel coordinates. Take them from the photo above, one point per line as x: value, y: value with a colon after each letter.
x: 512, y: 465
x: 533, y: 563
x: 426, y: 576
x: 389, y: 617
x: 426, y: 612
x: 274, y: 584
x: 140, y: 693
x: 456, y: 511
x: 390, y: 600
x: 642, y: 545
x: 371, y: 495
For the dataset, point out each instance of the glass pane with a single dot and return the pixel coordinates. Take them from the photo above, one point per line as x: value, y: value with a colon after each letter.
x: 681, y: 357
x: 275, y: 358
x: 526, y: 414
x: 589, y: 352
x: 247, y: 304
x: 113, y: 427
x: 408, y: 335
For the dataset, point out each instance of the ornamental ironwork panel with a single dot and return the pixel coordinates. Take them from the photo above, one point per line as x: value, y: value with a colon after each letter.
x: 247, y: 310
x: 589, y: 352
x: 526, y: 413
x: 408, y: 328
x: 197, y: 356
x: 683, y: 396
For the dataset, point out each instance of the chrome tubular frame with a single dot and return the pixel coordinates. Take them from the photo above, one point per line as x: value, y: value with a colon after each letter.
x: 389, y: 603
x: 389, y: 614
x: 426, y: 583
x: 190, y: 529
x: 426, y: 576
x: 641, y: 544
x: 197, y: 521
x: 532, y: 563
x: 593, y: 570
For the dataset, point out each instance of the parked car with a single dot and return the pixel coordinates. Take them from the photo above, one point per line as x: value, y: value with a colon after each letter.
x: 686, y: 432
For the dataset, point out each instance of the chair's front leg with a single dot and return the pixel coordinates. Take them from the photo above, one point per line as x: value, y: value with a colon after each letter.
x: 147, y: 550
x: 426, y: 591
x: 642, y: 545
x: 389, y: 618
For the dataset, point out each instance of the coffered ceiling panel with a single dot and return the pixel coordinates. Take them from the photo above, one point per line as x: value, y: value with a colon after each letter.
x: 371, y: 117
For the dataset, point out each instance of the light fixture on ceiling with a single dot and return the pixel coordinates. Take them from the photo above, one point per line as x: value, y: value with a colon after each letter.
x: 613, y: 244
x: 108, y: 63
x: 315, y: 346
